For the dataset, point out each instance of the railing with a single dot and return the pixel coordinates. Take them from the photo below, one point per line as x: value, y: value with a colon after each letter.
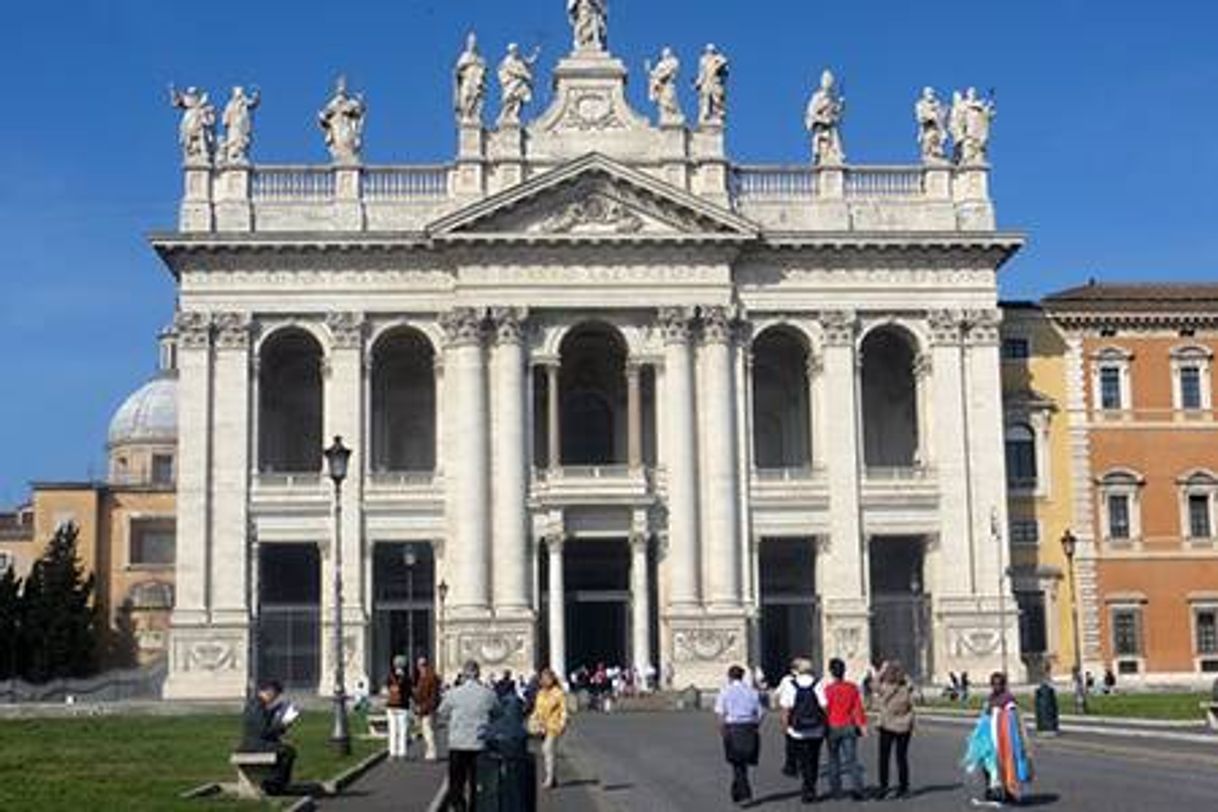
x: 773, y: 182
x: 586, y: 472
x: 292, y: 183
x: 798, y: 473
x: 284, y: 479
x: 898, y: 473
x: 897, y: 181
x: 404, y: 182
x: 402, y: 479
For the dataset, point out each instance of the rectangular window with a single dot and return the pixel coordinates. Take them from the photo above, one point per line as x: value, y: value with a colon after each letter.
x: 6, y: 561
x: 1021, y: 463
x: 1024, y: 531
x: 1190, y: 388
x: 1207, y: 632
x: 1127, y: 632
x: 1118, y: 516
x: 1110, y: 388
x: 1033, y: 628
x: 152, y: 542
x: 1199, y: 516
x: 162, y: 469
x: 1015, y: 349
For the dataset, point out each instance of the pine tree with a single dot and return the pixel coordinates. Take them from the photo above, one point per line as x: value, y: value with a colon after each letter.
x: 60, y: 623
x: 10, y: 629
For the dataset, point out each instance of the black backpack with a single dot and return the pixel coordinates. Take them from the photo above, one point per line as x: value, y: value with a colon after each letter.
x: 807, y: 715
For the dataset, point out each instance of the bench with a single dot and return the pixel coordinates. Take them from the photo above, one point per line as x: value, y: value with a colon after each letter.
x: 1211, y: 714
x: 378, y: 725
x: 252, y: 769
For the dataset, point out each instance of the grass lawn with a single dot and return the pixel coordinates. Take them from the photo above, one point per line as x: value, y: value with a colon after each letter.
x: 1166, y: 706
x: 143, y: 762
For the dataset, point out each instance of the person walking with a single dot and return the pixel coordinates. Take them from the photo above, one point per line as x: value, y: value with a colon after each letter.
x: 739, y: 710
x: 894, y: 700
x: 468, y: 708
x: 999, y: 748
x: 397, y: 707
x: 802, y: 701
x: 426, y: 697
x: 549, y: 720
x: 789, y: 767
x: 847, y: 723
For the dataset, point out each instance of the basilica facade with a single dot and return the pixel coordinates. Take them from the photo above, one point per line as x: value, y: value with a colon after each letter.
x: 613, y: 396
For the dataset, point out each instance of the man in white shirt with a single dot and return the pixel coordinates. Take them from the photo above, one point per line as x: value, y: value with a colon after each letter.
x: 802, y: 700
x: 739, y: 710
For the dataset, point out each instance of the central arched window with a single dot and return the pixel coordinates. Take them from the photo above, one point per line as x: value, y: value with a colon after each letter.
x: 592, y: 395
x: 890, y: 399
x: 403, y: 402
x: 290, y: 403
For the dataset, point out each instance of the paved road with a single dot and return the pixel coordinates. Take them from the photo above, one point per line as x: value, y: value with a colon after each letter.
x: 673, y: 763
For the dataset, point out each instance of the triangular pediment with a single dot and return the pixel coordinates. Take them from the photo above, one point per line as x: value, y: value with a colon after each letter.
x: 594, y: 197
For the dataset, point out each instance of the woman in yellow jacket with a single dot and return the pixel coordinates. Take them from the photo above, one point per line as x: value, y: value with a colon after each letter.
x: 549, y: 719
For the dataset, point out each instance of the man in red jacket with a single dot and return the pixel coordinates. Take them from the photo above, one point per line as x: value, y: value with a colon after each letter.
x: 847, y: 722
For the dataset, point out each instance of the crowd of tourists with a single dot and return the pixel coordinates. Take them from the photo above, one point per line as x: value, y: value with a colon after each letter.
x: 830, y: 714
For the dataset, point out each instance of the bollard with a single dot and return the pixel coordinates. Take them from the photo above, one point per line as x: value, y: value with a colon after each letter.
x: 1046, y: 710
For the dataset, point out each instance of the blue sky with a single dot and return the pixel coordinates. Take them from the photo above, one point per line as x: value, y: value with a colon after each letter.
x: 1105, y: 146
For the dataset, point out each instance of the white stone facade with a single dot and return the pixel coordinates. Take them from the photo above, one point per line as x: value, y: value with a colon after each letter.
x: 591, y: 215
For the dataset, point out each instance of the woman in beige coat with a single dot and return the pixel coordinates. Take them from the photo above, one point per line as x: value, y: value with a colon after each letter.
x: 894, y: 705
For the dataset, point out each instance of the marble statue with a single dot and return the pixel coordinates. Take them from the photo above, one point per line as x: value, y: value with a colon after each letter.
x: 932, y: 126
x: 516, y: 81
x: 712, y: 87
x: 662, y: 86
x: 824, y: 119
x: 342, y: 122
x: 239, y: 126
x: 469, y: 92
x: 197, y: 130
x: 971, y: 117
x: 590, y: 22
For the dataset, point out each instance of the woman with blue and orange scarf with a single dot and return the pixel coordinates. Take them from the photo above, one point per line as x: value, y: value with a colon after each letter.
x: 999, y: 746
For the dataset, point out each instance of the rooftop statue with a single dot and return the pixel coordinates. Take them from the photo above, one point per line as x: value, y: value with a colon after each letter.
x: 516, y: 80
x: 712, y: 87
x: 971, y: 119
x: 824, y: 118
x: 342, y: 122
x: 469, y: 92
x: 662, y: 87
x: 932, y: 126
x: 197, y: 130
x: 239, y: 126
x: 590, y: 22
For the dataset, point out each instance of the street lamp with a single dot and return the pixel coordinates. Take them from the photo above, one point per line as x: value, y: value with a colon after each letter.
x: 410, y: 558
x: 337, y: 457
x: 1069, y: 547
x: 996, y: 532
x: 442, y: 591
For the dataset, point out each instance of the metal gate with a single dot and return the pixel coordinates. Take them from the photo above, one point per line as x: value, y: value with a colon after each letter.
x: 901, y: 630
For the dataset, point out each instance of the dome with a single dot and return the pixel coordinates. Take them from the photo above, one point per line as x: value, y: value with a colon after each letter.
x: 149, y: 415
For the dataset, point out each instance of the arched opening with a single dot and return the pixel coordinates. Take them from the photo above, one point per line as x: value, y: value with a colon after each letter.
x: 890, y: 399
x: 781, y: 411
x: 403, y: 403
x: 592, y: 396
x: 290, y: 403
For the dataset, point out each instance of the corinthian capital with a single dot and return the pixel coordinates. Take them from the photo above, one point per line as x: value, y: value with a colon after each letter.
x: 233, y: 330
x: 983, y: 326
x: 839, y: 326
x: 510, y: 323
x: 944, y: 326
x: 193, y: 329
x: 346, y: 329
x: 462, y: 326
x: 676, y: 323
x: 717, y: 325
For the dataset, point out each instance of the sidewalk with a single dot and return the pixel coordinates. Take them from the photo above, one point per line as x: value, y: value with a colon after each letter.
x: 415, y: 786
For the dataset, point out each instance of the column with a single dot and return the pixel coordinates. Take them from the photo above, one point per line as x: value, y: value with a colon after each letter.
x: 191, y: 604
x: 955, y: 570
x: 634, y: 415
x: 467, y: 481
x: 553, y: 415
x: 510, y: 557
x: 640, y: 603
x: 843, y: 576
x: 557, y: 607
x: 682, y: 559
x: 721, y: 512
x: 231, y: 467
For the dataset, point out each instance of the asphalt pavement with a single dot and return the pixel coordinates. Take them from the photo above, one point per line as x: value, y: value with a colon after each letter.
x: 673, y: 762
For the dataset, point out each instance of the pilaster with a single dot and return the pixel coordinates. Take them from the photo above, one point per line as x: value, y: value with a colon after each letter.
x: 195, y: 214
x: 953, y: 561
x: 231, y: 467
x: 233, y: 209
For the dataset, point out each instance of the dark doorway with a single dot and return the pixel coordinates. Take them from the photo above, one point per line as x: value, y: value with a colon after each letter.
x: 790, y: 608
x: 597, y: 581
x: 289, y: 636
x: 900, y: 607
x: 403, y: 584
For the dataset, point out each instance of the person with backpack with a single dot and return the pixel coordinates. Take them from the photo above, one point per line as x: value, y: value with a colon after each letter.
x: 739, y: 710
x: 802, y: 701
x: 847, y: 722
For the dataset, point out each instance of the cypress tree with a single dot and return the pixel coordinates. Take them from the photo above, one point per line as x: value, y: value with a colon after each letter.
x: 10, y: 627
x: 60, y: 624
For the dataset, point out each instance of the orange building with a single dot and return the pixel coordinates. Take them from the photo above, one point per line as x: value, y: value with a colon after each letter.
x: 1144, y: 449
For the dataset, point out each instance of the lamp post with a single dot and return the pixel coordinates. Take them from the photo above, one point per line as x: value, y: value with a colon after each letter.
x: 410, y: 558
x: 996, y: 532
x: 1069, y: 546
x: 337, y: 457
x: 442, y: 648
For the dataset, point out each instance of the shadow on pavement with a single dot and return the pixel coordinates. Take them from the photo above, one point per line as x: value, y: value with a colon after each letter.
x: 932, y: 789
x: 1040, y: 799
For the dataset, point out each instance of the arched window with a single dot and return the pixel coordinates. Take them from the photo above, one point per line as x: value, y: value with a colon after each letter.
x: 592, y: 396
x: 890, y: 399
x: 403, y: 403
x: 290, y: 403
x: 781, y: 411
x: 1021, y: 457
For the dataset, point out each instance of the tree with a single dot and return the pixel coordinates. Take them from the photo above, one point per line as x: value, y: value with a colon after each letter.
x: 10, y: 627
x: 61, y: 629
x: 124, y: 644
